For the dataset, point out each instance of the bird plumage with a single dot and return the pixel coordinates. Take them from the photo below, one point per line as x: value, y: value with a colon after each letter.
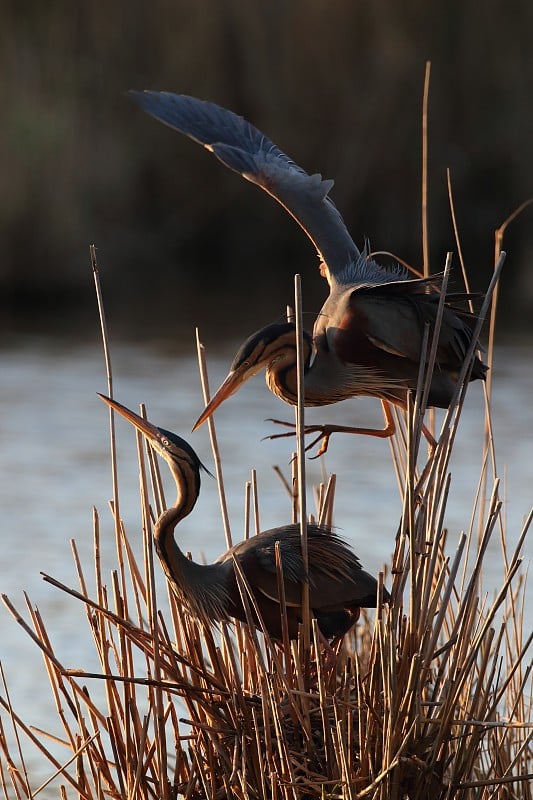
x: 338, y: 585
x: 368, y: 337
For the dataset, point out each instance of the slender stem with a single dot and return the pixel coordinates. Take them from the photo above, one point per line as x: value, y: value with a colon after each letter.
x: 300, y: 436
x: 16, y: 732
x: 425, y: 237
x: 457, y: 237
x: 214, y: 442
x: 109, y: 373
x: 424, y: 199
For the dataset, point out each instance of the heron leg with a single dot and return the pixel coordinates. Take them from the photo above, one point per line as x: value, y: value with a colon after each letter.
x: 429, y: 438
x: 329, y: 652
x: 325, y: 431
x: 332, y: 649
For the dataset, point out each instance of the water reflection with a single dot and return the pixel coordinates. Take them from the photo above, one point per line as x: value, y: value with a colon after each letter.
x: 55, y: 466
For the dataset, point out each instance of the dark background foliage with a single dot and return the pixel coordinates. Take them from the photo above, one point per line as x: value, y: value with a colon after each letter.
x: 336, y: 83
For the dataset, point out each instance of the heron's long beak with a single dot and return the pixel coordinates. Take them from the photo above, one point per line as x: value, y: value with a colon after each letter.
x: 230, y: 385
x: 150, y: 431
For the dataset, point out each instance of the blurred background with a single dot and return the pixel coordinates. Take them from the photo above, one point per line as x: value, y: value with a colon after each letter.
x: 337, y: 85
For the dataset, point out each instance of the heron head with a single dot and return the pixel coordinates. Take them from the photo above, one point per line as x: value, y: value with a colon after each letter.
x: 169, y: 445
x: 262, y: 350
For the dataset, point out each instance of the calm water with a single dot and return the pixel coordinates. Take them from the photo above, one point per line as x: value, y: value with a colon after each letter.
x: 54, y: 466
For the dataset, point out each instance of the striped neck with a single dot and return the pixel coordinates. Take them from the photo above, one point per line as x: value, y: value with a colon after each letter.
x: 281, y: 369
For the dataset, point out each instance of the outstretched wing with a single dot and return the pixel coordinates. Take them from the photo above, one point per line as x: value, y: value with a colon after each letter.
x: 244, y: 149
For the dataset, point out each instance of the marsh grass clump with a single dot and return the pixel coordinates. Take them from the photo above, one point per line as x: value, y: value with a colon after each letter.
x: 429, y: 699
x: 430, y: 696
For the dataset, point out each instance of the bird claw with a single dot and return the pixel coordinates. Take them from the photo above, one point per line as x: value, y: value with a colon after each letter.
x: 323, y: 434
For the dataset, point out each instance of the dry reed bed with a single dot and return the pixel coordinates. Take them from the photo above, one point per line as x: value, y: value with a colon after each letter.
x: 431, y: 698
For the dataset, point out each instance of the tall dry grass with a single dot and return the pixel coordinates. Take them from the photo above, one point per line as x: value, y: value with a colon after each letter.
x: 430, y: 696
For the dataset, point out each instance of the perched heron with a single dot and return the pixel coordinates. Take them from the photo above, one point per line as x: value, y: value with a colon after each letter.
x: 338, y: 585
x: 368, y: 337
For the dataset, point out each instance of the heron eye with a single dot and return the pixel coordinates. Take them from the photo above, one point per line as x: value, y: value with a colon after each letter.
x: 245, y: 364
x: 165, y: 442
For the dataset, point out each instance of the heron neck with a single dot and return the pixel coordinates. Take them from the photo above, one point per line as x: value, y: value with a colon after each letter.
x: 282, y: 372
x: 201, y: 588
x: 321, y: 381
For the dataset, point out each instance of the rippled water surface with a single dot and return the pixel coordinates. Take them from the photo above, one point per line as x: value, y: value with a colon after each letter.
x: 54, y: 466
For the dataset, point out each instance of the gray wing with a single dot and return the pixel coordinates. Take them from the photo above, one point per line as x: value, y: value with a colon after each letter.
x: 244, y: 149
x: 396, y: 324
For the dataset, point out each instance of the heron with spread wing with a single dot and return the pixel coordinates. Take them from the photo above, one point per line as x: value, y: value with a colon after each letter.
x: 368, y: 337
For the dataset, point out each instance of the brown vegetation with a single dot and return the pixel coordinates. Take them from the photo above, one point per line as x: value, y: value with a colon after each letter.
x: 431, y: 699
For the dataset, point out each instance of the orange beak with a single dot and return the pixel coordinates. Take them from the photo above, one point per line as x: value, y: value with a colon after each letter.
x: 229, y: 386
x: 150, y: 431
